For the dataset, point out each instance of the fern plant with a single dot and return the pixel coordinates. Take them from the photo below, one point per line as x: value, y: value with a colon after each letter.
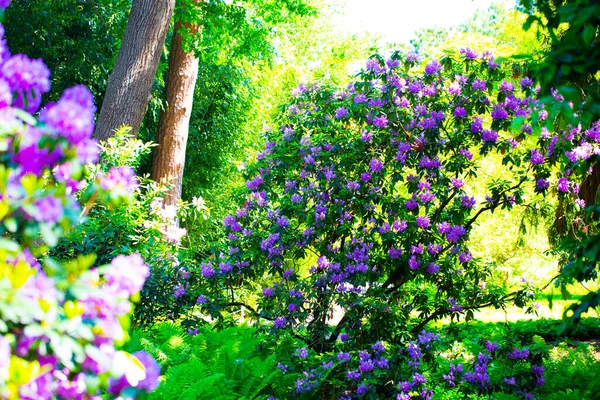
x: 226, y: 365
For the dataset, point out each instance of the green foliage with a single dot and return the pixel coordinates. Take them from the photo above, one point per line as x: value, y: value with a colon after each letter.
x: 142, y: 225
x: 497, y: 29
x: 571, y: 361
x: 227, y: 364
x: 78, y: 40
x: 572, y: 29
x: 524, y: 330
x: 572, y: 372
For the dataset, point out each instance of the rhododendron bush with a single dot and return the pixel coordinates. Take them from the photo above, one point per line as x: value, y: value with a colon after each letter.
x: 59, y: 323
x: 357, y: 217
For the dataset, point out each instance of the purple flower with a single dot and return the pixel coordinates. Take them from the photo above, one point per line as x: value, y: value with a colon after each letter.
x: 366, y: 366
x: 282, y: 367
x: 453, y: 306
x: 433, y: 268
x: 542, y: 184
x: 517, y: 354
x: 460, y: 112
x: 361, y: 390
x: 73, y: 115
x: 360, y: 98
x: 489, y: 136
x: 353, y: 186
x: 536, y: 157
x: 491, y: 347
x: 343, y: 357
x: 88, y: 151
x: 207, y: 270
x: 288, y: 273
x: 341, y: 112
x: 457, y: 183
x: 414, y: 263
x: 225, y: 268
x: 280, y: 322
x: 179, y: 291
x: 464, y: 257
x: 378, y: 347
x: 444, y: 227
x: 365, y: 177
x: 467, y: 202
x: 201, y: 299
x: 381, y: 121
x: 353, y: 374
x: 28, y: 78
x: 468, y: 53
x: 302, y: 353
x: 454, y: 233
x: 466, y: 154
x: 563, y: 185
x: 499, y: 113
x: 395, y: 253
x: 4, y: 4
x: 479, y: 85
x: 476, y: 125
x: 282, y: 222
x: 254, y: 183
x: 433, y: 67
x: 412, y: 57
x: 376, y: 165
x: 506, y: 87
x: 434, y: 248
x: 423, y: 222
x: 526, y: 82
x: 411, y: 204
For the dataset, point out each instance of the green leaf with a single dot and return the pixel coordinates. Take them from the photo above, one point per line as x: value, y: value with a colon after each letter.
x: 25, y: 117
x: 589, y: 32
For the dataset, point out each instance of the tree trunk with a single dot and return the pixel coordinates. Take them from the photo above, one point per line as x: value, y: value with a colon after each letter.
x: 173, y: 126
x: 130, y: 83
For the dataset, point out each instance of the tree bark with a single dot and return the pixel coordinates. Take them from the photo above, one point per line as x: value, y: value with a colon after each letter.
x: 173, y: 126
x: 130, y: 84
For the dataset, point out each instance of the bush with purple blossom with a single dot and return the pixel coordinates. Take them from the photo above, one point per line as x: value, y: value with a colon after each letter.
x: 382, y: 224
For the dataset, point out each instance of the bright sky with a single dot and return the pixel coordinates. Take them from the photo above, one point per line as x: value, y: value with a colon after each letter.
x: 397, y: 20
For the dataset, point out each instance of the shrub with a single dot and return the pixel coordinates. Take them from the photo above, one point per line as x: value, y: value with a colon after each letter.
x: 358, y: 212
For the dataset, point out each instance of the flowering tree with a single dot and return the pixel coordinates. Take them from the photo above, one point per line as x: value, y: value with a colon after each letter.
x: 59, y: 323
x: 359, y: 210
